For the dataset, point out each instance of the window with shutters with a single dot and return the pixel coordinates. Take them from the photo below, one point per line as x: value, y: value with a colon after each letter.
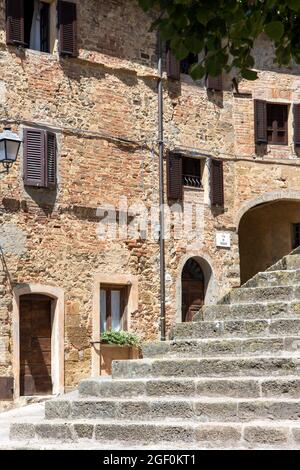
x: 296, y: 235
x: 40, y: 158
x: 191, y: 172
x: 277, y: 124
x: 217, y: 183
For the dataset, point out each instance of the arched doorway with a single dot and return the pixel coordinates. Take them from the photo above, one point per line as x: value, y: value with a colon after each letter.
x: 36, y: 319
x: 267, y: 232
x: 192, y: 282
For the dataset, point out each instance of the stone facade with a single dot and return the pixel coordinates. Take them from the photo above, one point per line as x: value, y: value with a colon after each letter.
x: 103, y: 108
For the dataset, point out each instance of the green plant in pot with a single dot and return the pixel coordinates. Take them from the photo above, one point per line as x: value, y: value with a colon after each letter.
x: 120, y: 338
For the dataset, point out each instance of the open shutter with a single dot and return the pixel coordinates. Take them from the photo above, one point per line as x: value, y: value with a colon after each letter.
x: 296, y: 113
x: 214, y: 83
x: 51, y: 160
x: 67, y: 23
x: 174, y: 175
x: 260, y: 119
x: 15, y: 22
x: 217, y: 183
x: 173, y: 66
x: 34, y: 158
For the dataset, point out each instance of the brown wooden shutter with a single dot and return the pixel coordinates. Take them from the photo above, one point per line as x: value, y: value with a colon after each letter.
x: 34, y: 158
x: 217, y: 183
x: 296, y: 112
x: 260, y: 120
x: 15, y: 22
x: 173, y: 66
x: 214, y: 83
x: 67, y: 23
x: 174, y: 175
x: 51, y: 160
x: 6, y: 388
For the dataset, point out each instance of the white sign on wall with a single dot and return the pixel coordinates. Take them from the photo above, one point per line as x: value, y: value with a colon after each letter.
x: 223, y: 239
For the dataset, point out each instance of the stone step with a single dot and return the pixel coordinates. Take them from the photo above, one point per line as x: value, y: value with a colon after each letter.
x: 249, y: 311
x: 208, y: 367
x: 292, y: 261
x: 153, y: 409
x: 262, y: 294
x: 237, y: 328
x: 261, y: 433
x: 234, y: 387
x: 274, y: 279
x: 225, y: 346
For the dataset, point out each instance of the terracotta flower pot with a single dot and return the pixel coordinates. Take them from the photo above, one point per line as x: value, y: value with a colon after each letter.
x: 113, y: 352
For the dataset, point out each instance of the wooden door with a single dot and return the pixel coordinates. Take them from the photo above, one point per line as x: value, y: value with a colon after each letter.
x: 35, y: 345
x: 192, y: 298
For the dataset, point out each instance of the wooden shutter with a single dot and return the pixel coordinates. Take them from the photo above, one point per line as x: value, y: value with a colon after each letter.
x: 260, y: 120
x: 34, y: 158
x: 296, y: 112
x: 51, y: 160
x: 67, y: 23
x: 6, y: 388
x: 15, y: 22
x: 174, y: 176
x: 214, y: 83
x: 173, y: 66
x: 217, y: 183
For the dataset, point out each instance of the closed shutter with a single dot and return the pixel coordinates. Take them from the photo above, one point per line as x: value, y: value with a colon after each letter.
x: 214, y: 83
x: 217, y: 183
x: 39, y: 158
x: 174, y: 176
x: 6, y: 388
x: 15, y: 22
x: 51, y: 159
x: 260, y: 120
x: 34, y: 157
x: 67, y: 23
x: 173, y: 66
x: 297, y: 124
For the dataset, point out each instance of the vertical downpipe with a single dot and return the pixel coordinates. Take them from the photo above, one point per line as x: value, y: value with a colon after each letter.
x: 161, y: 195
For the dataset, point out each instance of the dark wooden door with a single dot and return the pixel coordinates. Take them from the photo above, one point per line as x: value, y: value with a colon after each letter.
x: 192, y: 298
x: 35, y: 345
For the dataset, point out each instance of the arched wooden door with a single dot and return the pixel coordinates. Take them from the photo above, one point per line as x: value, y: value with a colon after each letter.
x: 192, y: 289
x: 35, y: 345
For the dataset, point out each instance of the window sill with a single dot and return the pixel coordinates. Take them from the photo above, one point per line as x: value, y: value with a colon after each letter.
x: 191, y: 188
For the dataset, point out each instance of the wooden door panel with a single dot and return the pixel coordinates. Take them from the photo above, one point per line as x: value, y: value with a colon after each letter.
x: 35, y: 345
x: 192, y: 299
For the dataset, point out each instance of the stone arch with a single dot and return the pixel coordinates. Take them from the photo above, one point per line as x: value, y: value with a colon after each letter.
x: 57, y: 359
x: 264, y: 198
x: 211, y: 287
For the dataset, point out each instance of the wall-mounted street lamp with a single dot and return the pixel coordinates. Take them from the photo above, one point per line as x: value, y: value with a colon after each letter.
x: 9, y: 148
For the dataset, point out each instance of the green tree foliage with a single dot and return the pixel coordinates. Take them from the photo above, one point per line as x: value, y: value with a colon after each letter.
x: 225, y: 31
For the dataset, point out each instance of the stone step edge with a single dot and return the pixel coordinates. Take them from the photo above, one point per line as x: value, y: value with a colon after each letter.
x: 263, y: 432
x: 222, y: 338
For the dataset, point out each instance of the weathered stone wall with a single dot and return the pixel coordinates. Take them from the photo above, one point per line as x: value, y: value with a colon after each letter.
x: 50, y: 237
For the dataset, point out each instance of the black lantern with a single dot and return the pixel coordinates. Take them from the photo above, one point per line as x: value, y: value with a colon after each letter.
x: 9, y: 148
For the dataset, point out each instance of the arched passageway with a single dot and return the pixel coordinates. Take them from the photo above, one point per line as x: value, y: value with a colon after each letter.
x: 267, y: 232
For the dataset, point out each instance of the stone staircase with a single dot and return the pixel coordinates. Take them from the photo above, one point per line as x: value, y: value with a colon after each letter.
x: 230, y: 379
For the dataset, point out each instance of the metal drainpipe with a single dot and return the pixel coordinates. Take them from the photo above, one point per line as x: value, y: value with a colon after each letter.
x: 161, y: 195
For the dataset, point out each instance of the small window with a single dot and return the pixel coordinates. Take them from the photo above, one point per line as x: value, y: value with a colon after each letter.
x: 113, y: 308
x: 296, y: 235
x: 277, y: 124
x: 186, y: 63
x: 191, y: 172
x: 37, y: 25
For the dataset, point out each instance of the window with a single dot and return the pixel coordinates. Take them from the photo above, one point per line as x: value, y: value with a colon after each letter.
x: 277, y: 118
x: 32, y: 24
x: 186, y: 63
x: 191, y: 172
x: 40, y: 155
x: 296, y: 235
x: 113, y: 308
